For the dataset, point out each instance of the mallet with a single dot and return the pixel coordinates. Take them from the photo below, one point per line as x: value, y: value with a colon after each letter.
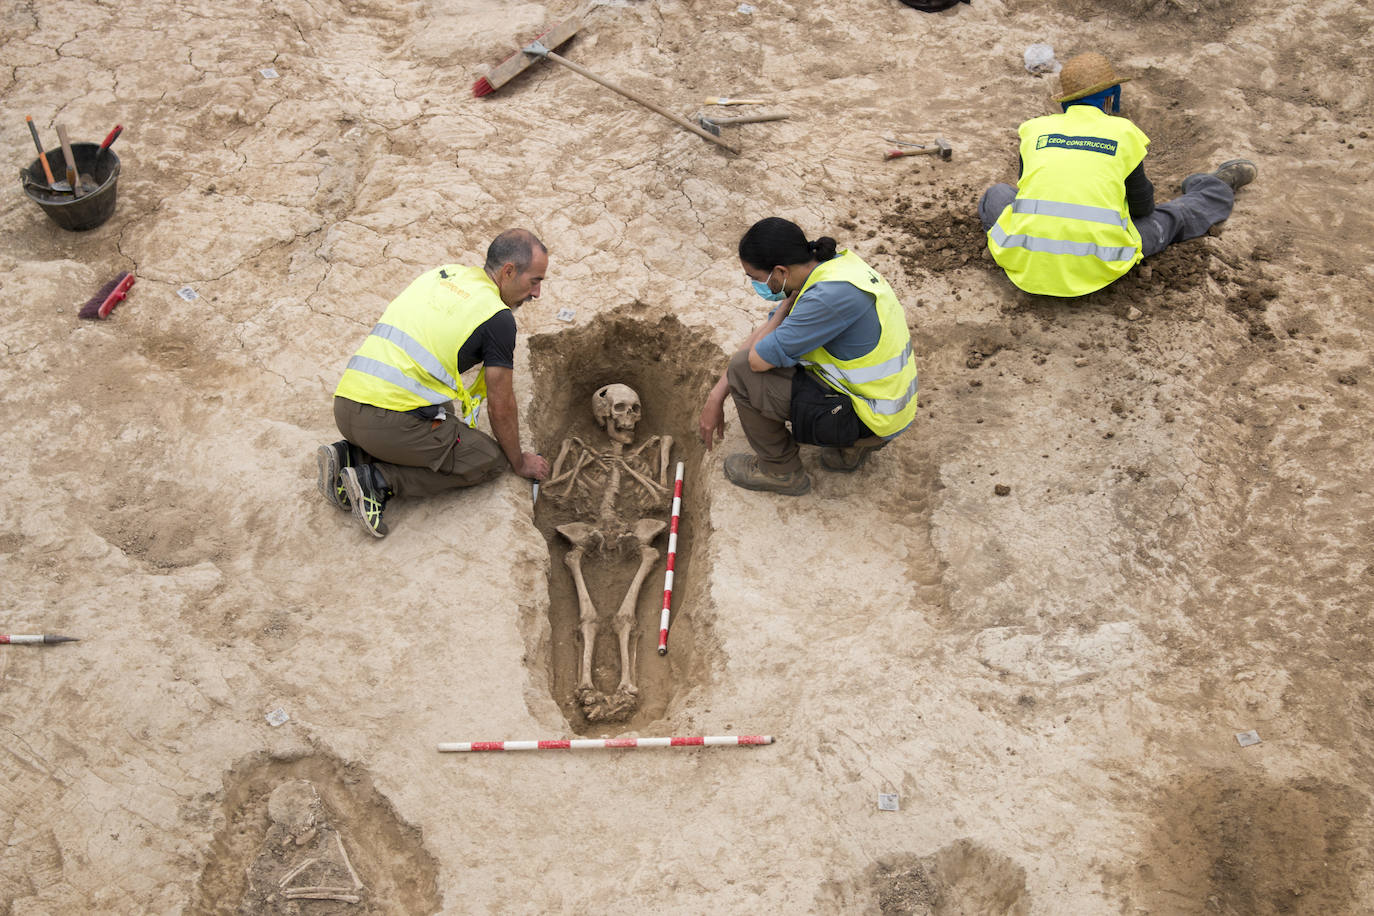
x: 941, y: 149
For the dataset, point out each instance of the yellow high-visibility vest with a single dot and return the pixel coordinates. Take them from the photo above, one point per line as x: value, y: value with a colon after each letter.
x: 882, y: 382
x: 1069, y: 230
x: 411, y: 357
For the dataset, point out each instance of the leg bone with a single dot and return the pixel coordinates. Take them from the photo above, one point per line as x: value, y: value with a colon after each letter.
x: 664, y: 457
x: 586, y: 615
x: 625, y: 620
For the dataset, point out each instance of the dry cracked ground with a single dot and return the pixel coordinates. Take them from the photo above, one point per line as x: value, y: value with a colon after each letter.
x: 1122, y: 531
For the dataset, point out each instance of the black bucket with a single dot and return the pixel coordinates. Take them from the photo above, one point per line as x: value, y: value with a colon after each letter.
x: 66, y: 209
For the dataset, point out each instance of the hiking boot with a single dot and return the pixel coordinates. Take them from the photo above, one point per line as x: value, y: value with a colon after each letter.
x: 368, y: 493
x: 743, y: 470
x: 849, y: 458
x: 1237, y: 173
x: 331, y: 460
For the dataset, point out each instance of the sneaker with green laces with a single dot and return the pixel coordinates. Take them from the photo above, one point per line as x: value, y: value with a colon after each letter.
x: 368, y: 493
x: 330, y: 460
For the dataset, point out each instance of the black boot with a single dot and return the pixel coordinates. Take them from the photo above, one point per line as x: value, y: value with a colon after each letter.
x: 368, y: 493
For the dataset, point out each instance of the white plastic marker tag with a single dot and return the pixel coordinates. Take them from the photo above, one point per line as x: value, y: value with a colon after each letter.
x: 745, y: 8
x: 269, y: 73
x: 1245, y: 739
x: 188, y: 294
x: 277, y: 717
x: 565, y: 315
x: 887, y: 802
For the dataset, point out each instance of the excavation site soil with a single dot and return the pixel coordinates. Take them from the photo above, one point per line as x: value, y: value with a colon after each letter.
x: 1092, y: 636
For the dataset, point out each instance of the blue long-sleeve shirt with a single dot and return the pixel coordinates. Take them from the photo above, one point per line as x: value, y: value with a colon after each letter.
x: 834, y: 314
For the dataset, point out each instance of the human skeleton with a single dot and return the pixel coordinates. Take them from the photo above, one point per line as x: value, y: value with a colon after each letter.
x: 617, y: 410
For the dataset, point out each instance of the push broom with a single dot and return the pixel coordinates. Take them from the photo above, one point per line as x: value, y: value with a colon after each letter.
x: 542, y: 47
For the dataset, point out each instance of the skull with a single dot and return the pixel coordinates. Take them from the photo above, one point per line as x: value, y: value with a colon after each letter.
x: 616, y: 408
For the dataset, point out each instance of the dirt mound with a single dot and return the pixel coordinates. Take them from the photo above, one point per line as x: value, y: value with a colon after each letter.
x: 1237, y: 843
x: 961, y: 878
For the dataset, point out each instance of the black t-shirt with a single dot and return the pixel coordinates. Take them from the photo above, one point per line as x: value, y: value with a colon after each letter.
x: 492, y: 344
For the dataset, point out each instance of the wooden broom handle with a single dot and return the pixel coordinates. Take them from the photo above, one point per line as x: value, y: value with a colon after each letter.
x: 680, y: 121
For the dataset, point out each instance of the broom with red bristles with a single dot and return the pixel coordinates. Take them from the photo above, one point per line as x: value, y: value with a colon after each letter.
x: 110, y: 295
x: 519, y: 62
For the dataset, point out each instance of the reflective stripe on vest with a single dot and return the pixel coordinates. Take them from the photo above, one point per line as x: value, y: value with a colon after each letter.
x: 882, y: 384
x: 1070, y: 211
x: 1059, y: 246
x: 381, y: 370
x: 416, y: 351
x: 1068, y: 232
x: 883, y: 406
x: 411, y: 357
x: 858, y: 375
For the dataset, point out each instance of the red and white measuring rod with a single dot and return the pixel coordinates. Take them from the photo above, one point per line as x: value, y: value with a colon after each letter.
x: 577, y: 744
x: 672, y: 561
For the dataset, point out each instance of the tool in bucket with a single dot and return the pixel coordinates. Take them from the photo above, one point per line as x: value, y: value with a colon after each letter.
x: 68, y: 210
x: 543, y: 46
x: 53, y: 184
x: 78, y: 182
x: 109, y: 138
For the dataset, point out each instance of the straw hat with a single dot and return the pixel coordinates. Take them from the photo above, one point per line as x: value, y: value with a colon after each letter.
x: 1086, y: 74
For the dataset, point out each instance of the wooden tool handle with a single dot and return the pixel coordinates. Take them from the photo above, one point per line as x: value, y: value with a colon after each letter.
x: 749, y: 119
x: 680, y: 121
x: 42, y: 156
x: 71, y: 161
x: 899, y: 153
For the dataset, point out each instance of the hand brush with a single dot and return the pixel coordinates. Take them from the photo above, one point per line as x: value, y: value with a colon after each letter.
x: 110, y: 295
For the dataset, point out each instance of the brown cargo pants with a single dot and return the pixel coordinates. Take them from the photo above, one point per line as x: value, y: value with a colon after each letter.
x: 419, y: 457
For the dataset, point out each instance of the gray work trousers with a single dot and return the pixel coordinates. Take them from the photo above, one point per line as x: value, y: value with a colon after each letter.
x: 419, y: 457
x: 1208, y: 202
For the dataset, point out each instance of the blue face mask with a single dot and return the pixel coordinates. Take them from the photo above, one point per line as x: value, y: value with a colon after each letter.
x: 762, y: 289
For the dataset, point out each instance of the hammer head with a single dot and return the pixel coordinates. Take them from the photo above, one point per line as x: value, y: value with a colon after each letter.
x: 711, y: 127
x: 946, y: 151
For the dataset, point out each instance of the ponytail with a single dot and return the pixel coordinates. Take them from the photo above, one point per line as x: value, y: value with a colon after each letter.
x: 823, y: 248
